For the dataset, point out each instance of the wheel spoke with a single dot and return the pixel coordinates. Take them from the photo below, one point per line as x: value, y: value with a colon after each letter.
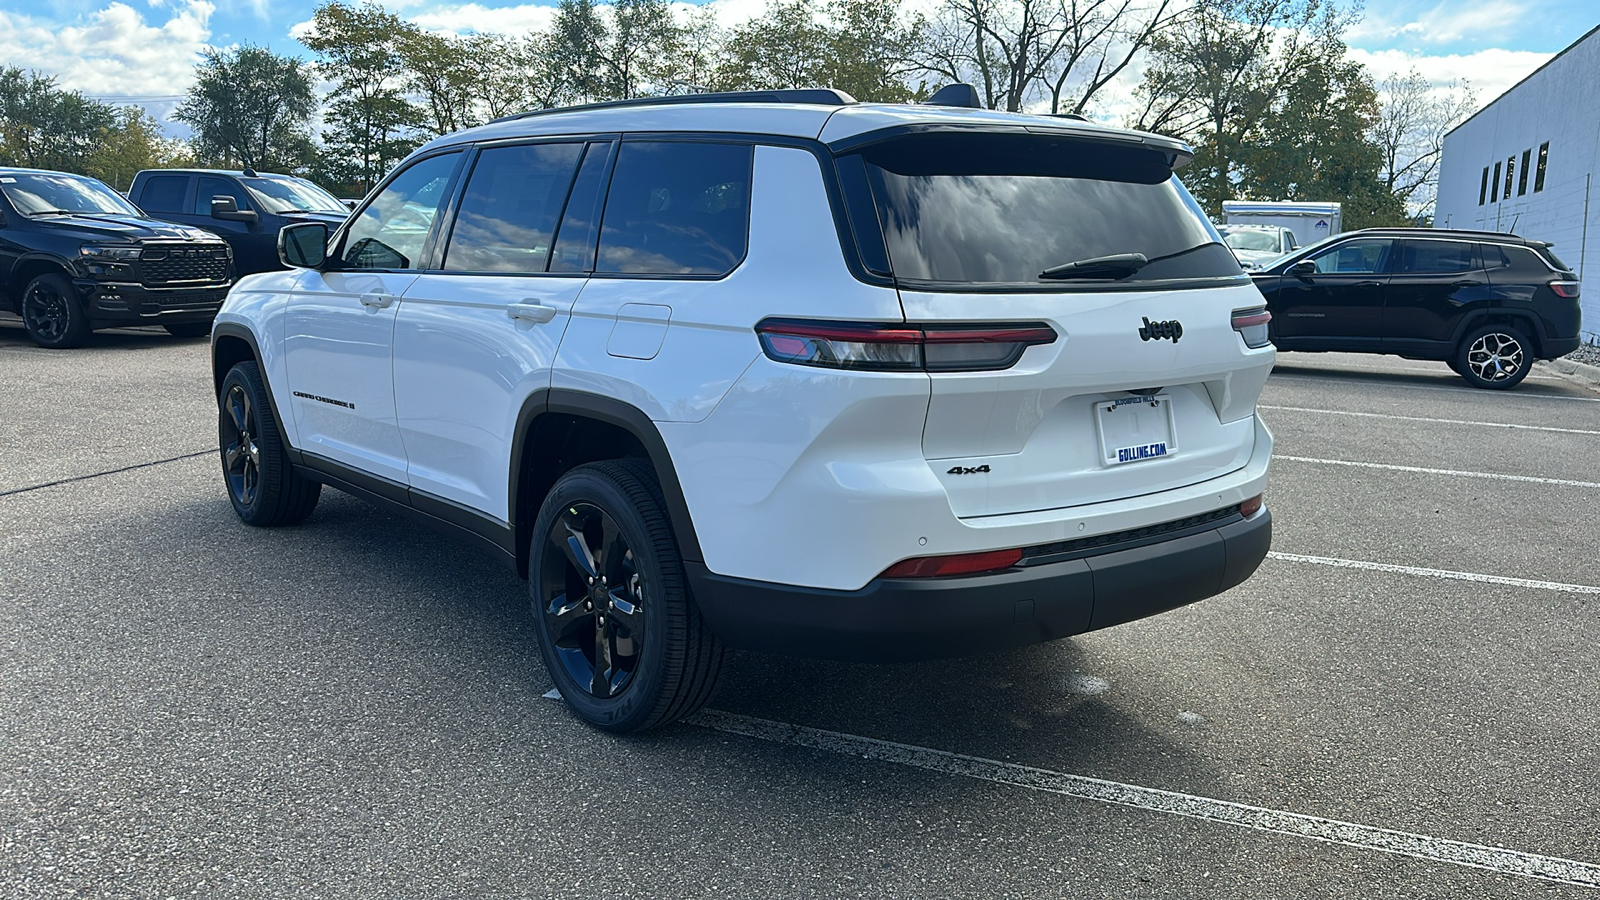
x: 565, y: 615
x: 600, y: 683
x: 255, y: 454
x: 236, y: 411
x: 231, y: 455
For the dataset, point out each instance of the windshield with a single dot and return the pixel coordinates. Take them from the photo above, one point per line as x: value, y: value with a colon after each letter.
x: 285, y: 195
x: 1251, y: 240
x: 992, y: 208
x: 57, y: 193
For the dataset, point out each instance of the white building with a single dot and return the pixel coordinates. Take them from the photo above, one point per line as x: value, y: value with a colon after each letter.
x: 1529, y: 163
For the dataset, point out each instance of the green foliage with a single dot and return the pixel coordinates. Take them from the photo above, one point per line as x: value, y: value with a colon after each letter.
x: 135, y: 141
x: 369, y: 118
x: 865, y: 48
x: 250, y: 107
x: 44, y: 127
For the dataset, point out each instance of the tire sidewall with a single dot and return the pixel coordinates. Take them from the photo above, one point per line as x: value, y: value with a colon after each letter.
x: 77, y: 324
x: 1464, y: 369
x: 637, y: 703
x: 238, y: 376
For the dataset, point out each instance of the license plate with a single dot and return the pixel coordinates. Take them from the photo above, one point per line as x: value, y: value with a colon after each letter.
x: 1133, y: 429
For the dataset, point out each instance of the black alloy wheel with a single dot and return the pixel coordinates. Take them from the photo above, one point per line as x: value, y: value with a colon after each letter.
x: 241, y: 456
x: 596, y: 613
x: 52, y: 316
x: 619, y: 633
x: 262, y: 484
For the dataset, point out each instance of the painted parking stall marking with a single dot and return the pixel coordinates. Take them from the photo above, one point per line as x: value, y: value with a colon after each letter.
x: 1175, y: 803
x: 1456, y: 473
x: 1435, y: 573
x: 1367, y: 415
x: 1470, y: 392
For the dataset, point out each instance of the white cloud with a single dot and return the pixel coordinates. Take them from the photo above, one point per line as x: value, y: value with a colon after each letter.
x: 1444, y: 23
x: 1490, y: 72
x: 114, y: 52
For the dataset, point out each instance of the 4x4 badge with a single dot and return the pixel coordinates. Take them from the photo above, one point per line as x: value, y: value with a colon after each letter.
x: 1155, y: 331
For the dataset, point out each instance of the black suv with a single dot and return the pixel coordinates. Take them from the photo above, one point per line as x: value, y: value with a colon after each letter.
x: 1486, y: 303
x: 76, y: 256
x: 247, y: 208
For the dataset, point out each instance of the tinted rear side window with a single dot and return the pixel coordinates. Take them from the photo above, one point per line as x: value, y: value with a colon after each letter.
x: 991, y: 209
x: 676, y: 208
x: 508, y: 213
x: 164, y: 194
x: 1436, y: 258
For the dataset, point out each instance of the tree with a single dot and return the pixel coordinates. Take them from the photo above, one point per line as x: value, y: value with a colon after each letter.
x: 1216, y: 76
x: 628, y: 53
x: 44, y: 127
x: 250, y: 107
x: 134, y: 141
x: 1102, y: 38
x: 369, y: 120
x: 1413, y: 118
x: 440, y: 69
x: 866, y: 48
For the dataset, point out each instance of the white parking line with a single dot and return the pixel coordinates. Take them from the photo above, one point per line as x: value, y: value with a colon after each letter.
x: 1222, y: 812
x: 1471, y: 392
x: 1423, y: 471
x: 1367, y: 415
x: 1436, y: 573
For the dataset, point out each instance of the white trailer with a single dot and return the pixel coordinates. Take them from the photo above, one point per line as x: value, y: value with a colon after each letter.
x: 1310, y: 222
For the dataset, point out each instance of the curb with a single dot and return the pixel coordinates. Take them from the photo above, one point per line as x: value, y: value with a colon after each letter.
x: 1574, y: 371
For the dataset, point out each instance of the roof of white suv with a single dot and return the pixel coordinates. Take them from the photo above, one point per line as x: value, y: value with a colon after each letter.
x: 826, y: 122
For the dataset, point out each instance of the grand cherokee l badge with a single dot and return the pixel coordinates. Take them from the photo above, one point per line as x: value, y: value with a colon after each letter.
x: 1155, y: 331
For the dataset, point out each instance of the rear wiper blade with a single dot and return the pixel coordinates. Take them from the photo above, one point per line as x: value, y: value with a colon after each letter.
x: 1117, y: 265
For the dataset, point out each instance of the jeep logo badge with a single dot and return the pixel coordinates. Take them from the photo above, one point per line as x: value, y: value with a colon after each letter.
x: 1155, y: 331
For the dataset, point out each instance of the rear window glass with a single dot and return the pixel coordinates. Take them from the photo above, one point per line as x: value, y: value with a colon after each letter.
x: 965, y: 209
x: 676, y: 208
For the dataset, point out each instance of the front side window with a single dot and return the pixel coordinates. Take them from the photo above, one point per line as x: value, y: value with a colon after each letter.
x: 1365, y: 257
x: 677, y: 208
x: 976, y: 208
x: 1436, y: 258
x: 392, y: 230
x: 164, y: 193
x: 60, y: 194
x: 508, y: 213
x: 212, y: 186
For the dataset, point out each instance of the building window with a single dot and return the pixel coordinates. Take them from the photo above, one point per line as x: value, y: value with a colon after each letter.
x: 1511, y: 171
x: 1483, y: 187
x: 1538, y: 177
x: 1522, y: 176
x: 1494, y: 185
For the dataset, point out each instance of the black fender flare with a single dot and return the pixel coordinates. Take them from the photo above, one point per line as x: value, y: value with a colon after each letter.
x: 1527, y: 318
x: 609, y: 410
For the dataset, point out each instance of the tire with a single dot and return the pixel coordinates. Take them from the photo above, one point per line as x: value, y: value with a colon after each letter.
x: 52, y: 314
x: 189, y: 330
x: 1494, y: 357
x: 262, y: 485
x: 628, y: 653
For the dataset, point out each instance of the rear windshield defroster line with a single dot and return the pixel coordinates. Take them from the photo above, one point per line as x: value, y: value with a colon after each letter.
x: 984, y: 210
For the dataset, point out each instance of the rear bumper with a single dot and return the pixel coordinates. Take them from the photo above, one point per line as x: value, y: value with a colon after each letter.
x: 904, y: 619
x: 133, y: 304
x: 1555, y: 348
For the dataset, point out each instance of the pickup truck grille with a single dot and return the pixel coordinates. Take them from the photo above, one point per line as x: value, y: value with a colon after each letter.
x: 184, y: 265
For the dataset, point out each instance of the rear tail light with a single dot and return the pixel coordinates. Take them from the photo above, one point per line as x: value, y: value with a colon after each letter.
x: 958, y: 564
x: 1250, y: 507
x: 1566, y: 290
x: 1252, y: 326
x: 900, y: 348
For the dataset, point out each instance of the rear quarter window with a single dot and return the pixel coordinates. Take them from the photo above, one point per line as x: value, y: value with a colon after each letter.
x: 164, y: 193
x: 999, y: 209
x: 677, y: 208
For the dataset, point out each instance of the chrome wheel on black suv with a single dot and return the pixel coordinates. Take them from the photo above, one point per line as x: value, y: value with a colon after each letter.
x: 1496, y: 356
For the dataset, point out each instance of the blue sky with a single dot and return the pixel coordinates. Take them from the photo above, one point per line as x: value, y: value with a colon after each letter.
x: 146, y: 49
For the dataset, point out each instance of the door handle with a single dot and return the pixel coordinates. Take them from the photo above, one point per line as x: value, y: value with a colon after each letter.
x: 531, y: 311
x: 1367, y: 284
x: 377, y: 301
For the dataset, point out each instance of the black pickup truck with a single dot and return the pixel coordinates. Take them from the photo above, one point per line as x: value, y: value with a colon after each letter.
x: 76, y: 256
x: 246, y: 208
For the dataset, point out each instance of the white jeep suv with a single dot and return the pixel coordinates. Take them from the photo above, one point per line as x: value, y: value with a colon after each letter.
x: 777, y: 371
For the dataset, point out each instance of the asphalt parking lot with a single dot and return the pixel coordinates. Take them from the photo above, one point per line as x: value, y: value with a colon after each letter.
x: 1400, y: 703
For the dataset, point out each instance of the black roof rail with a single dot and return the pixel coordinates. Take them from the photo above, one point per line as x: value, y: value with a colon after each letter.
x: 818, y: 96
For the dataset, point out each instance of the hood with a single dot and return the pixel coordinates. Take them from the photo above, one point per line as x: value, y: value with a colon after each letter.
x: 125, y: 228
x: 332, y: 220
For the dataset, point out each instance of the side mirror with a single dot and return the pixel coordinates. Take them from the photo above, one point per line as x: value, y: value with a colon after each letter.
x: 225, y: 207
x: 1305, y: 268
x: 303, y: 246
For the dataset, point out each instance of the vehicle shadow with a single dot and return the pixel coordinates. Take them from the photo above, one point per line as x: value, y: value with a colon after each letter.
x: 14, y: 336
x: 1300, y: 367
